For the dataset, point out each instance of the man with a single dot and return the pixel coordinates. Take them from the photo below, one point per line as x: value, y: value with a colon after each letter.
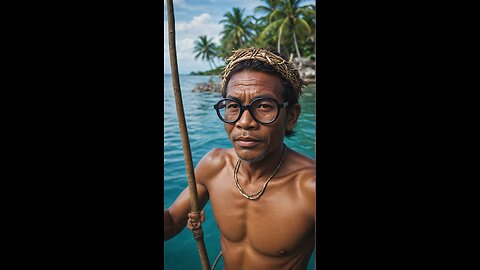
x: 262, y: 193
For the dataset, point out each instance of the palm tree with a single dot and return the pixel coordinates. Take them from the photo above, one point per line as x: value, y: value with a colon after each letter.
x: 206, y: 49
x: 290, y: 17
x: 269, y: 7
x: 309, y: 47
x: 238, y: 29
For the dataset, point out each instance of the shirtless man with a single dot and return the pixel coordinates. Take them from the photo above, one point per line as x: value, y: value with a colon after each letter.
x: 262, y: 192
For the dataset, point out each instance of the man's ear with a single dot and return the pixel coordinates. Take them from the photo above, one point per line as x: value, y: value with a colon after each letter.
x: 292, y: 116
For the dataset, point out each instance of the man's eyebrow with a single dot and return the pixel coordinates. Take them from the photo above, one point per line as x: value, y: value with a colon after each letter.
x: 265, y: 96
x: 254, y: 97
x: 232, y: 97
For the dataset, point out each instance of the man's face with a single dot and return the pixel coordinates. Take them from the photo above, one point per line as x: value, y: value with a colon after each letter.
x: 252, y: 141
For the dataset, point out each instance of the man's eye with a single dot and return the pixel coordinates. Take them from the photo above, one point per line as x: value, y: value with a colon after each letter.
x: 232, y: 106
x: 265, y: 106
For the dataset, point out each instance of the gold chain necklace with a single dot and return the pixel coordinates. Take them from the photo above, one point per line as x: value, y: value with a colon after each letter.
x: 258, y: 194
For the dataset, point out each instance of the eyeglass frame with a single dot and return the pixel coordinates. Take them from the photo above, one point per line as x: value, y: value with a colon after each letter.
x: 249, y: 108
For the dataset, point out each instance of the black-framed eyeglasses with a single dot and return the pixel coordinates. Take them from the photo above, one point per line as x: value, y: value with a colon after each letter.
x: 264, y: 110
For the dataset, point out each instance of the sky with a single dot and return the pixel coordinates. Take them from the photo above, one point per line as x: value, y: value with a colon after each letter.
x: 194, y: 18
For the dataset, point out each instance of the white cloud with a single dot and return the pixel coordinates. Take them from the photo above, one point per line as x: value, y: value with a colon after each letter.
x: 185, y: 34
x: 194, y: 24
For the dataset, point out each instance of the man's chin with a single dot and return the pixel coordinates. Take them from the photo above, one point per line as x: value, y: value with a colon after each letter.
x: 249, y: 154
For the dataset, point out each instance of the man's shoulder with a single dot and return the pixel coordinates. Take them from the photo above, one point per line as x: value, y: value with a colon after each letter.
x: 302, y: 163
x: 216, y: 156
x: 213, y: 162
x: 303, y: 169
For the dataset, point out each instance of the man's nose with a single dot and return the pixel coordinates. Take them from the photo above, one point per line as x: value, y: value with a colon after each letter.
x: 246, y: 121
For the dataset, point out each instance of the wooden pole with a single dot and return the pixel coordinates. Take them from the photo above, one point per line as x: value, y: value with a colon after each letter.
x: 192, y: 186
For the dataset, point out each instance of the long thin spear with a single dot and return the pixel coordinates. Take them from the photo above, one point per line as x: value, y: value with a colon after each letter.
x: 192, y: 186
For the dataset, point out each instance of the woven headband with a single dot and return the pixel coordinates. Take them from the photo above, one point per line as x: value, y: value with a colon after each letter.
x: 285, y: 68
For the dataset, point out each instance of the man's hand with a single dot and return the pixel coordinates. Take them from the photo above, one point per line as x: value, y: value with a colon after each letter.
x: 194, y: 223
x: 195, y: 220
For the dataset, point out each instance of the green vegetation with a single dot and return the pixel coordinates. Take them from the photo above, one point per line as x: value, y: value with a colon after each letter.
x: 216, y: 71
x: 285, y: 25
x: 238, y: 31
x: 206, y: 49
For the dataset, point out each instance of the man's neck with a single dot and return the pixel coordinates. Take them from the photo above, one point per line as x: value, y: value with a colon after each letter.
x: 261, y: 170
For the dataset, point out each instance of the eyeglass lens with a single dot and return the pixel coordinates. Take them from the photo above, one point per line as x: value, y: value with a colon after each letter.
x: 264, y: 110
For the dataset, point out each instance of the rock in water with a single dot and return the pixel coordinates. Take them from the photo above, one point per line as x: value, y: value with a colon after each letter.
x: 207, y: 87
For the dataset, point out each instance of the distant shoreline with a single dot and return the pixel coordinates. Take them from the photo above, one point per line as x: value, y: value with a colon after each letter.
x: 190, y: 75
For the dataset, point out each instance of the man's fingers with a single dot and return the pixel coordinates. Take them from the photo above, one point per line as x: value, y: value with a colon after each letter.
x: 194, y: 215
x: 193, y: 223
x: 191, y: 227
x: 195, y: 220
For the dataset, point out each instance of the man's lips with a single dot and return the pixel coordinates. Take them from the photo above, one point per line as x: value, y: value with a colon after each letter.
x: 246, y: 141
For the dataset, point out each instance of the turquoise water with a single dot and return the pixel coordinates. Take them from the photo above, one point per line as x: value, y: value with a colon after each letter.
x: 205, y: 132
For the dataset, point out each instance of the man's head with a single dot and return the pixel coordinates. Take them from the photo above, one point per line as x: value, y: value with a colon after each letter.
x: 260, y: 106
x: 271, y: 62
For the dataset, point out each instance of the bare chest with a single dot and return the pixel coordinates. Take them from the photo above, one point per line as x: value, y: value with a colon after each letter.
x: 276, y: 224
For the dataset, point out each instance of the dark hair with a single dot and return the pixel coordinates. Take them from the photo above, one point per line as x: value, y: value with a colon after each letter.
x: 288, y: 92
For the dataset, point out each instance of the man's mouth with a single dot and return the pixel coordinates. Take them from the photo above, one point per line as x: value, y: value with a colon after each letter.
x: 246, y: 141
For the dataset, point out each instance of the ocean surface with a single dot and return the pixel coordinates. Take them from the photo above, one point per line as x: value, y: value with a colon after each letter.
x: 205, y: 132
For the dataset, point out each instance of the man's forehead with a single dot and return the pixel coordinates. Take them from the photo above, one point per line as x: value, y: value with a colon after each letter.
x: 246, y: 79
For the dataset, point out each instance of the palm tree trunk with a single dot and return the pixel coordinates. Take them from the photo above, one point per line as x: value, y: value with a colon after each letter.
x: 279, y: 38
x: 315, y: 50
x: 296, y: 45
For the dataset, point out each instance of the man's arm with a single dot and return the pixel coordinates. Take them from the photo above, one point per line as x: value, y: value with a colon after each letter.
x: 175, y: 217
x: 169, y: 228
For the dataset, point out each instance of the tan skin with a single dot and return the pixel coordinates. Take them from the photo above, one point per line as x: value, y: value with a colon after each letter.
x: 276, y: 231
